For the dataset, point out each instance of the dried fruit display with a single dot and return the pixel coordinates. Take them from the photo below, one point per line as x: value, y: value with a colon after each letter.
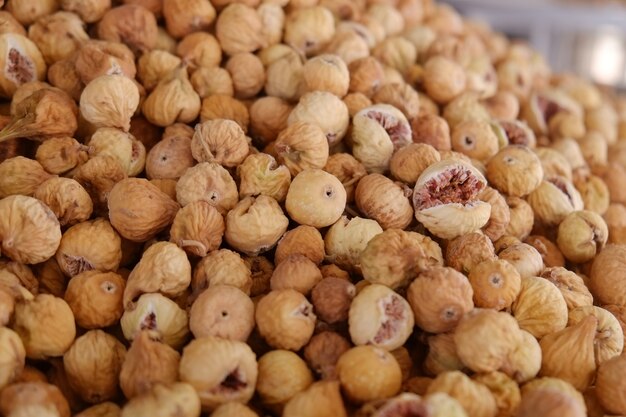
x: 303, y: 208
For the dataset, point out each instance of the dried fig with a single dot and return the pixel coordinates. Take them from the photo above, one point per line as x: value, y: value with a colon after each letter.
x: 394, y: 257
x: 486, y: 338
x: 139, y: 210
x: 93, y: 364
x: 29, y: 230
x: 446, y: 201
x: 540, y: 307
x: 559, y: 360
x: 77, y: 254
x: 147, y: 363
x: 164, y: 268
x: 220, y: 370
x: 198, y: 228
x: 380, y: 317
x: 436, y: 311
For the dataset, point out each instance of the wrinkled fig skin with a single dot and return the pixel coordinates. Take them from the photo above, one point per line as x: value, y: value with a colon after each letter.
x: 303, y: 208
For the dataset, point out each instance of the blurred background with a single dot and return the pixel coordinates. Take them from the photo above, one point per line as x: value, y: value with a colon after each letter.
x: 587, y: 37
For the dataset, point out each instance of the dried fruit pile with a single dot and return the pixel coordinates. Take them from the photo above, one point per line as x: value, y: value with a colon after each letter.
x: 303, y: 208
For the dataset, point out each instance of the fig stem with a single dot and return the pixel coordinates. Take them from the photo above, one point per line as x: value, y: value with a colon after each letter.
x: 351, y: 211
x: 193, y: 243
x: 15, y: 129
x: 351, y: 182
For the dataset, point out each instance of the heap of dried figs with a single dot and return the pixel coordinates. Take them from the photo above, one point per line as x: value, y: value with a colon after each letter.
x: 303, y: 208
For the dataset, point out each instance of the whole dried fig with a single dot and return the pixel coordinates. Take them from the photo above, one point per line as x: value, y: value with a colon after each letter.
x: 394, y: 257
x: 147, y: 363
x: 29, y: 230
x: 540, y: 307
x: 164, y: 268
x: 438, y: 312
x: 139, y: 210
x: 93, y: 366
x: 558, y: 360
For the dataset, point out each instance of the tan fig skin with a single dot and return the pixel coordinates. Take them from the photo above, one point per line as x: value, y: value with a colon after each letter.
x: 607, y: 264
x: 297, y: 272
x: 441, y: 313
x: 315, y: 198
x: 156, y: 313
x: 172, y: 100
x: 164, y: 268
x: 326, y: 111
x: 473, y: 396
x: 495, y: 284
x: 303, y: 240
x: 347, y: 239
x: 282, y: 374
x: 394, y: 257
x: 148, y: 362
x: 303, y: 208
x: 89, y: 351
x: 323, y: 351
x: 442, y: 354
x: 121, y: 95
x: 130, y: 198
x: 549, y: 402
x: 96, y: 298
x: 540, y: 307
x: 222, y: 311
x: 30, y: 231
x: 609, y: 341
x: 320, y: 399
x: 222, y: 266
x: 198, y: 228
x: 14, y: 356
x: 255, y: 224
x: 178, y: 397
x: 465, y: 252
x: 285, y: 319
x: 261, y: 174
x: 302, y: 145
x: 229, y: 374
x: 578, y: 371
x: 383, y: 371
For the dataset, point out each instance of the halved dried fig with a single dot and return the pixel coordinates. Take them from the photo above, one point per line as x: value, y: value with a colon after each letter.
x: 446, y: 200
x: 378, y: 131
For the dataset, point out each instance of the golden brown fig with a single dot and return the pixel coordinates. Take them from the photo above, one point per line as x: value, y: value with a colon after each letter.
x: 139, y: 210
x: 610, y: 385
x: 437, y: 311
x: 569, y: 354
x: 486, y: 338
x: 540, y: 307
x: 395, y: 256
x: 92, y: 366
x: 607, y: 272
x: 29, y: 231
x: 549, y: 402
x: 148, y: 362
x: 198, y: 228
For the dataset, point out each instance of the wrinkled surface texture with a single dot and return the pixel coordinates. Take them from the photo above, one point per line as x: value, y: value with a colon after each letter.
x: 303, y: 208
